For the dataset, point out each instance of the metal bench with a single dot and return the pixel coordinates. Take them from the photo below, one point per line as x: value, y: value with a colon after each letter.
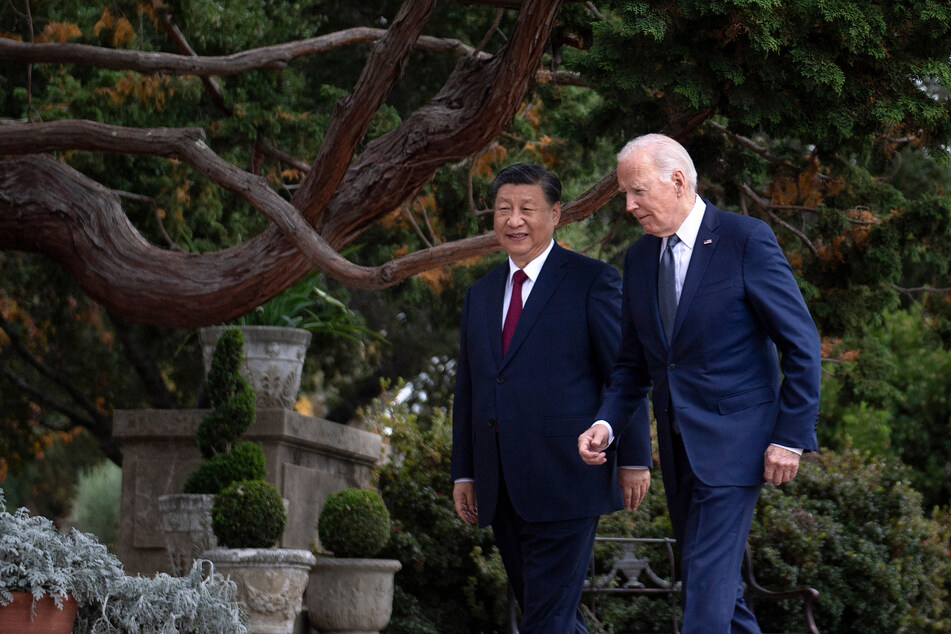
x: 630, y: 573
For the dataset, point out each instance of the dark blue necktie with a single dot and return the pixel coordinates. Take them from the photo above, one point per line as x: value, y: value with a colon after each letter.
x: 667, y: 287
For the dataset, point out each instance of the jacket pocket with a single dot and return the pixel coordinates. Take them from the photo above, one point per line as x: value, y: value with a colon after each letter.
x: 737, y: 402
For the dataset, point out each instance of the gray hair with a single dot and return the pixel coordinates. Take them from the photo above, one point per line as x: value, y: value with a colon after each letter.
x: 668, y: 155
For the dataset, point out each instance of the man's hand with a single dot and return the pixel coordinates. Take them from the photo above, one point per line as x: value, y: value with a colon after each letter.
x: 463, y: 494
x: 592, y: 443
x: 634, y: 485
x: 782, y: 465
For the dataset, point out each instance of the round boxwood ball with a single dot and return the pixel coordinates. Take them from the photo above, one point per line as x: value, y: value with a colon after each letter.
x: 354, y: 523
x: 249, y: 514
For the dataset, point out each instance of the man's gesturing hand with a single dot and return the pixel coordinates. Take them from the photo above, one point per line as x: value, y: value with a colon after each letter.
x: 592, y: 443
x: 463, y: 494
x: 781, y: 465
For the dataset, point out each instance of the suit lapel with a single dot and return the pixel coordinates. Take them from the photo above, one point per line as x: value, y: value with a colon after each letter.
x: 703, y: 249
x: 493, y: 308
x: 544, y: 287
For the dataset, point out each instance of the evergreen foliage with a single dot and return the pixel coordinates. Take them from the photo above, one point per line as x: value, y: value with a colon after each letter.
x: 230, y: 395
x: 249, y: 514
x: 97, y: 502
x: 245, y: 461
x: 354, y: 523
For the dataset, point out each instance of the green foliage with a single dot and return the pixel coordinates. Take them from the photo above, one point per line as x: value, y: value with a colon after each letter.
x: 452, y: 579
x: 354, y: 523
x: 887, y: 396
x: 245, y: 461
x: 230, y: 395
x: 854, y: 530
x: 249, y: 514
x: 97, y: 502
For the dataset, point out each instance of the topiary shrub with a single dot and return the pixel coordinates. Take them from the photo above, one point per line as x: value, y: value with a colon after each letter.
x: 354, y: 523
x: 249, y: 514
x: 230, y: 395
x: 245, y: 461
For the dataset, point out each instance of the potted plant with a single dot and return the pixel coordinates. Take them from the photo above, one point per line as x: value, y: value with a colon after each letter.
x: 248, y: 519
x: 350, y: 591
x: 277, y: 335
x: 51, y: 581
x: 186, y: 517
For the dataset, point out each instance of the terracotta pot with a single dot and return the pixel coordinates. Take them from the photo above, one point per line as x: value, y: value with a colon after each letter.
x: 15, y: 617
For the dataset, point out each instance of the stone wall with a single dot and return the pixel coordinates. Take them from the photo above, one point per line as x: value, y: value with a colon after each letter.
x: 307, y: 459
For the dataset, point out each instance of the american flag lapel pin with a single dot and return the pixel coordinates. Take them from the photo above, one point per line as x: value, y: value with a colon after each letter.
x: 708, y: 241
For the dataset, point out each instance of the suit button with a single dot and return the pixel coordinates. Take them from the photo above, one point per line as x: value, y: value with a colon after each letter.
x: 500, y: 379
x: 671, y: 366
x: 491, y: 424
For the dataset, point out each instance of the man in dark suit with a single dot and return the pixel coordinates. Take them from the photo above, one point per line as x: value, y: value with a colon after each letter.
x: 529, y: 380
x: 701, y: 325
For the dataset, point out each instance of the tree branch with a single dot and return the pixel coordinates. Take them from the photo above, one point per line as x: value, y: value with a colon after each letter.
x: 351, y: 116
x: 765, y: 206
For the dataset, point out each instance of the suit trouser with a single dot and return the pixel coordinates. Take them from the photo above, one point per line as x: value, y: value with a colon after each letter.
x: 711, y: 524
x: 546, y: 564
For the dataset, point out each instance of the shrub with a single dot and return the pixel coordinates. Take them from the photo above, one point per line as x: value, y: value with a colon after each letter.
x: 230, y: 395
x: 245, y: 461
x: 249, y: 514
x: 97, y: 502
x: 853, y: 529
x: 452, y: 581
x: 354, y: 523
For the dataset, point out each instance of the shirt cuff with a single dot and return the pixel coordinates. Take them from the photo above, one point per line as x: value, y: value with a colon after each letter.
x: 464, y: 480
x: 795, y: 450
x: 610, y: 429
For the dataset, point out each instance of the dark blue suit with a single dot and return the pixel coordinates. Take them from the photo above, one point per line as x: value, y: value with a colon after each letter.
x: 516, y: 420
x: 731, y: 395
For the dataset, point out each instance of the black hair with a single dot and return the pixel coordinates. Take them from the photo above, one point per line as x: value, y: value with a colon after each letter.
x: 527, y: 174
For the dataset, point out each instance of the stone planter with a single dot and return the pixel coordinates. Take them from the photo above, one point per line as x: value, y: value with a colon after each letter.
x: 186, y: 524
x: 273, y: 360
x: 351, y: 595
x: 271, y: 582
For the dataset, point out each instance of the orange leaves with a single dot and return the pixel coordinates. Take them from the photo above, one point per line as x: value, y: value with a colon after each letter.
x: 58, y: 32
x: 833, y: 350
x: 484, y: 164
x: 122, y: 31
x: 148, y: 89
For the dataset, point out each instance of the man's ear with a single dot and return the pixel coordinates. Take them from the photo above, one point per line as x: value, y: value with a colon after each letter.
x: 556, y: 212
x: 680, y: 181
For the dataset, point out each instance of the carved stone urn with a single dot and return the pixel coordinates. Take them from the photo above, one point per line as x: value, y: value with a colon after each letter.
x: 186, y: 525
x: 273, y: 360
x: 271, y: 582
x: 351, y: 595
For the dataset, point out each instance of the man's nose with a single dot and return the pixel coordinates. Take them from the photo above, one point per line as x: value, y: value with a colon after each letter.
x: 631, y: 203
x: 516, y: 218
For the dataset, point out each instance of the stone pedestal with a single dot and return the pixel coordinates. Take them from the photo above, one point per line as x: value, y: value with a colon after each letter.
x: 307, y: 459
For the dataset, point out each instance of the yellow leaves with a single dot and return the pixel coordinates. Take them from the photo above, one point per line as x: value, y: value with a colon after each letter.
x: 148, y: 89
x: 122, y: 31
x: 10, y: 36
x: 862, y: 222
x: 291, y: 175
x: 436, y: 278
x: 58, y: 32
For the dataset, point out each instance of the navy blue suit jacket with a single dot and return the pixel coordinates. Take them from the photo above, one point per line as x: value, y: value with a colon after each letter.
x: 732, y: 394
x: 521, y: 415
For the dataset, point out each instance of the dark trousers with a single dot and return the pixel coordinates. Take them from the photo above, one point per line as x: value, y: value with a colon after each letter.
x: 711, y: 524
x: 546, y: 564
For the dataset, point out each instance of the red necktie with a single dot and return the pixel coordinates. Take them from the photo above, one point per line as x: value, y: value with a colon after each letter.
x: 515, y: 309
